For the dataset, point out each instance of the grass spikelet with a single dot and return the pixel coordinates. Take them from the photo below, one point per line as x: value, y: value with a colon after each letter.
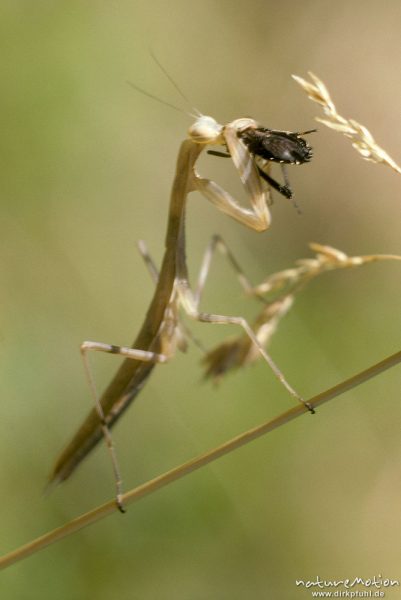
x: 362, y: 140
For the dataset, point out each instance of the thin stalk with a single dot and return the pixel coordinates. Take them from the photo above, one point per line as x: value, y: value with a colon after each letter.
x: 200, y: 461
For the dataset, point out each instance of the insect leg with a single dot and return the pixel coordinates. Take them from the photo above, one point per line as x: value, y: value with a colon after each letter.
x: 217, y: 243
x: 188, y: 302
x: 149, y: 262
x: 135, y: 354
x: 219, y: 154
x: 257, y: 217
x: 287, y: 185
x: 284, y: 190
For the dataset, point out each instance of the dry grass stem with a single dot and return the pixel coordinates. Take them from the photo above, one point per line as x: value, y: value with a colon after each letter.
x: 200, y: 461
x: 363, y: 141
x: 236, y: 352
x: 327, y: 259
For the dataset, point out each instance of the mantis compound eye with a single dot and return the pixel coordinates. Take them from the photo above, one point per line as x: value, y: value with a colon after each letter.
x: 206, y: 130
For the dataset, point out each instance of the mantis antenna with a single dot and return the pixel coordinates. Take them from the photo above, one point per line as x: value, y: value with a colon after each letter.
x: 173, y: 83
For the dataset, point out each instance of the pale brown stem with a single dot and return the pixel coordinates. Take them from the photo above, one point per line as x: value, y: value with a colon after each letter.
x: 174, y: 474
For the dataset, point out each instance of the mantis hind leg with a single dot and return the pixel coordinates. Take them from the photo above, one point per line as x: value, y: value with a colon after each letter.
x: 190, y: 302
x: 190, y: 307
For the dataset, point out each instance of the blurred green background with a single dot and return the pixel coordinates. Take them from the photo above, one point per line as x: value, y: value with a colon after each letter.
x: 87, y: 165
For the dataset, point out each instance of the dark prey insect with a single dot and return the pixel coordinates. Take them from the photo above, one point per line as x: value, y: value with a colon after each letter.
x: 284, y: 147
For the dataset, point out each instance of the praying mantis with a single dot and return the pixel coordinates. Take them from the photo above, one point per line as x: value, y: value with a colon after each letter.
x: 250, y: 147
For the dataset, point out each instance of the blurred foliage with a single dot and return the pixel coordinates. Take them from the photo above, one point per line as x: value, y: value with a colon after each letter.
x: 87, y: 165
